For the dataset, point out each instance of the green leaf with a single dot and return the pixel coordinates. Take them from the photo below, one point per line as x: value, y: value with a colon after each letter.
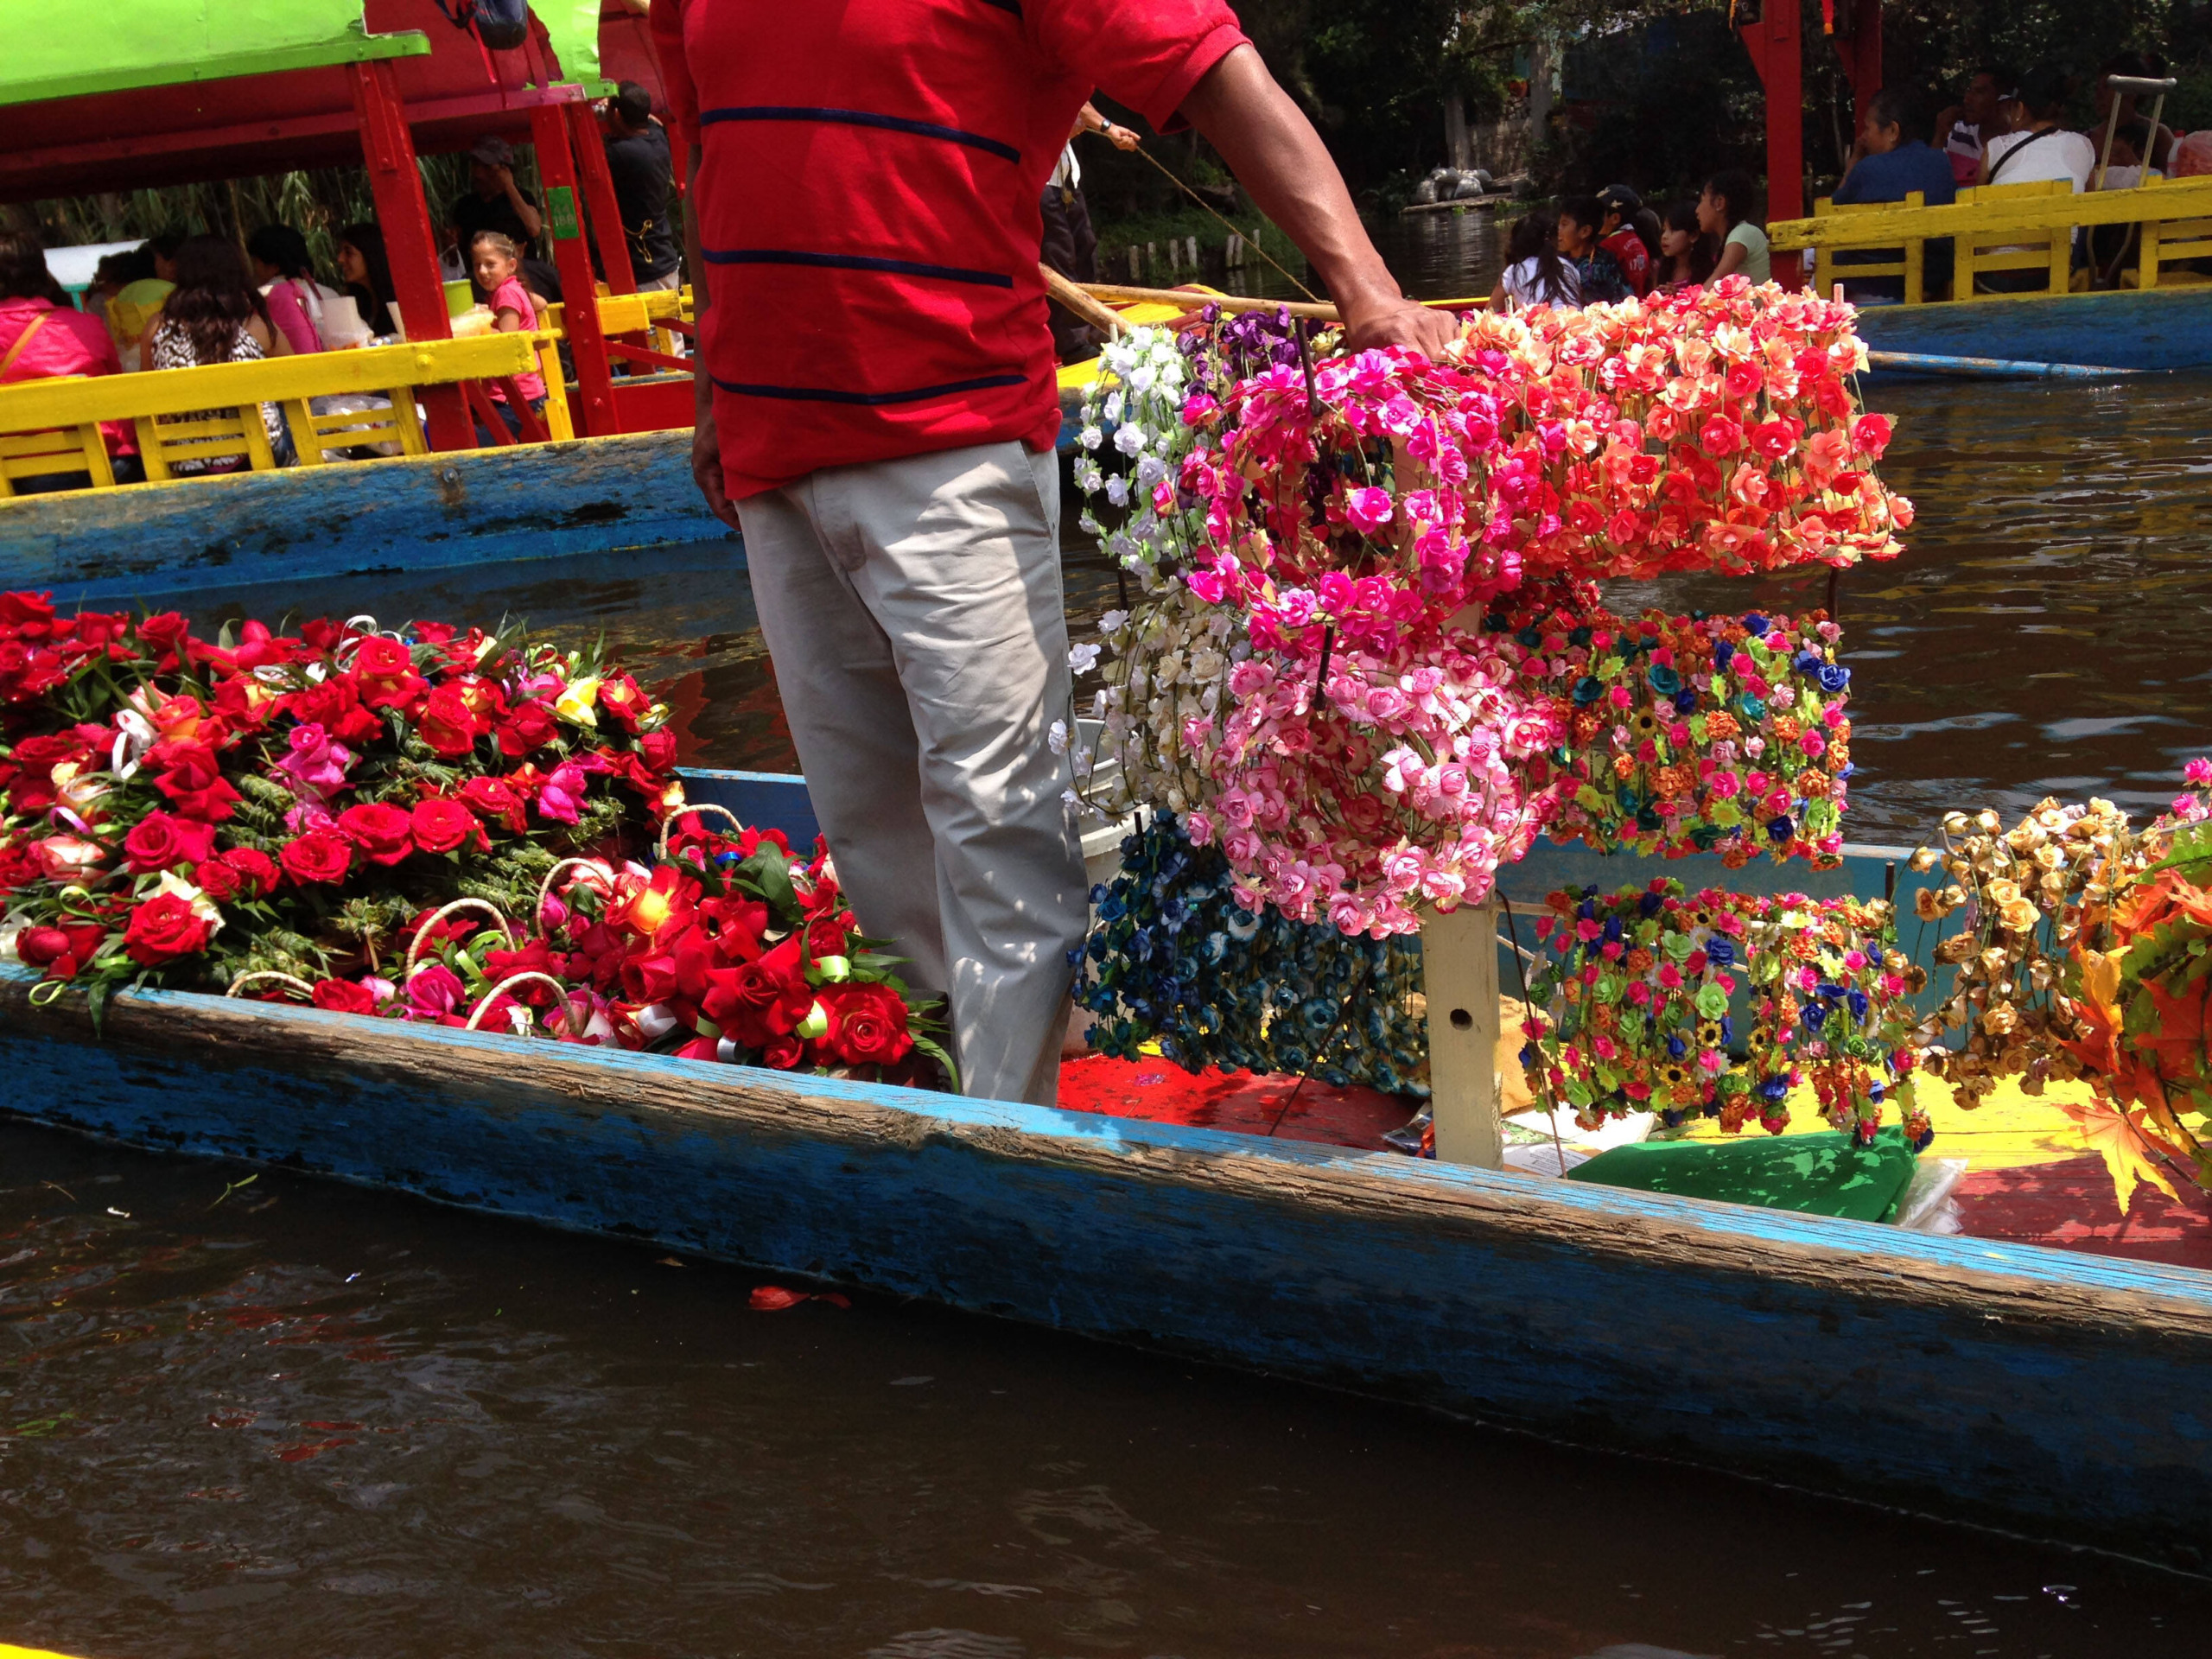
x: 766, y: 874
x: 2192, y: 844
x: 937, y: 1052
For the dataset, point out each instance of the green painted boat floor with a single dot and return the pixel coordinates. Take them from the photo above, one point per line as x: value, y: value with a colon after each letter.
x: 1815, y: 1175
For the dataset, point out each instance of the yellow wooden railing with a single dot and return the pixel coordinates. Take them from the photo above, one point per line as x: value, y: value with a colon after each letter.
x: 53, y: 426
x: 2005, y: 227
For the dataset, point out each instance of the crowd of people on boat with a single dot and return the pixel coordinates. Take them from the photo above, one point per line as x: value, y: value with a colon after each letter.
x: 1592, y: 249
x: 179, y: 300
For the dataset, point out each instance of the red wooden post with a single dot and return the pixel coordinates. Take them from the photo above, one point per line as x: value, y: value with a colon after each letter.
x: 556, y: 168
x: 1777, y: 54
x: 607, y: 233
x: 388, y: 152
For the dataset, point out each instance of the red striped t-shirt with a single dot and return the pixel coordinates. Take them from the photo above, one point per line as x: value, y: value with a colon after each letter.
x: 867, y: 206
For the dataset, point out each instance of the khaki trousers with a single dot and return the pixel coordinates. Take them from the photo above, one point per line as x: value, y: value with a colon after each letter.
x: 913, y: 612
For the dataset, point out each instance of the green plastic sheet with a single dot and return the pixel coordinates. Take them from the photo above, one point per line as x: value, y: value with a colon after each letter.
x: 1822, y: 1174
x: 67, y: 48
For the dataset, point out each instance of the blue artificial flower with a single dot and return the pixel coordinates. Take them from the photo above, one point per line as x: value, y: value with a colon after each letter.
x: 1807, y: 662
x: 1664, y: 679
x: 1776, y: 1088
x: 1833, y: 677
x: 1752, y: 708
x: 1857, y: 1001
x: 1110, y: 907
x: 1722, y: 654
x: 1649, y: 903
x: 1587, y: 690
x: 1754, y: 623
x: 1612, y: 931
x: 1719, y: 952
x: 1814, y: 1014
x: 1684, y: 701
x: 1676, y: 1048
x: 1781, y: 828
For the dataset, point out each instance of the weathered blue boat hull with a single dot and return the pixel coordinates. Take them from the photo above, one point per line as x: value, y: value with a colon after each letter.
x: 2167, y: 328
x: 2052, y: 1391
x: 309, y: 524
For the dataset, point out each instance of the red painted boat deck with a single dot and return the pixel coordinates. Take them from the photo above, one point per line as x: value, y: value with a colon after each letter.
x: 2027, y: 1180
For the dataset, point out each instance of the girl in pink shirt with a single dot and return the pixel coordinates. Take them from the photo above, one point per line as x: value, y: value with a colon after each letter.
x: 281, y: 261
x: 496, y: 261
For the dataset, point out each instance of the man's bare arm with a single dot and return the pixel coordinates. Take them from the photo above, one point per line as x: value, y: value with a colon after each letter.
x: 1278, y: 157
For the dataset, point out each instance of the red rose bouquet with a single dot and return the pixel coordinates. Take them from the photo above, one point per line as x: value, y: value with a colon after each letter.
x: 182, y: 811
x: 726, y: 948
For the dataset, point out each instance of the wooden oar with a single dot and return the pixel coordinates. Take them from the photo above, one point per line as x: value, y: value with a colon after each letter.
x: 1988, y: 368
x: 1104, y: 318
x: 1189, y: 301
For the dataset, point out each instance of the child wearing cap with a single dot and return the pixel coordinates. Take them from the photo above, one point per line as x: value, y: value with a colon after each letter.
x: 1619, y: 237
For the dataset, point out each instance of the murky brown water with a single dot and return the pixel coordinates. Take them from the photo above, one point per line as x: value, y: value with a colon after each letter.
x: 298, y: 1419
x: 302, y: 1420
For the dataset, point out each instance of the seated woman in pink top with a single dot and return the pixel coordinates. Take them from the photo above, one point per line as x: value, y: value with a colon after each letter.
x: 283, y: 269
x: 497, y: 260
x: 41, y: 340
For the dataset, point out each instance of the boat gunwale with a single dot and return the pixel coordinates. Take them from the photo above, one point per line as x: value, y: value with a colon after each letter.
x: 2146, y: 1299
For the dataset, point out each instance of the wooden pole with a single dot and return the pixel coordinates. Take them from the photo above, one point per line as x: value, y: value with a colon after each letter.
x: 557, y: 171
x: 1460, y: 974
x: 608, y: 233
x: 388, y: 153
x: 1106, y: 320
x: 1122, y: 293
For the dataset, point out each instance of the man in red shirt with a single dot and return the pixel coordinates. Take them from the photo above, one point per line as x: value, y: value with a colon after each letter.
x: 877, y: 408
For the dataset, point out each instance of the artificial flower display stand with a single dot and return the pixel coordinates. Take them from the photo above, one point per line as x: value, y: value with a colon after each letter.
x: 1366, y: 667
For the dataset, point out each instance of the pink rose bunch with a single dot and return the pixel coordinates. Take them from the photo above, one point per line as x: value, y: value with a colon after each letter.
x: 1364, y: 751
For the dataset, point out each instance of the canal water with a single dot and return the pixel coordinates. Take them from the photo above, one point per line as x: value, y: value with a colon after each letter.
x: 251, y: 1413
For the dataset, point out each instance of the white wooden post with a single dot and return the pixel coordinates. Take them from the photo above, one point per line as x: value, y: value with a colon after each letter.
x: 1459, y: 973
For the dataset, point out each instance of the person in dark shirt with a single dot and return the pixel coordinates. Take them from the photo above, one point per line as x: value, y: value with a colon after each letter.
x: 495, y: 201
x: 637, y: 156
x: 1597, y: 272
x: 1886, y: 166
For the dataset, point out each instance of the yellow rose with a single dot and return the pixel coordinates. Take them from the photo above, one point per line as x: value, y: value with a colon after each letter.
x: 2002, y: 894
x: 575, y: 704
x: 2019, y: 916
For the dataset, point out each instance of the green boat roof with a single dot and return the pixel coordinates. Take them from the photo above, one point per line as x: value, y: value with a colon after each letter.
x: 75, y: 47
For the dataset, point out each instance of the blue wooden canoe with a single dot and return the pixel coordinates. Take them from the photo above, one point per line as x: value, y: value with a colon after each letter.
x: 407, y: 514
x: 2058, y: 1393
x: 2165, y: 329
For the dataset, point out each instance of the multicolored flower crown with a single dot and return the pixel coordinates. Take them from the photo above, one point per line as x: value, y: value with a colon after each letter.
x: 1715, y: 1004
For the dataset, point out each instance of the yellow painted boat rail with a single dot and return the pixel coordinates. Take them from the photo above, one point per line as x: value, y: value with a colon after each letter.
x: 54, y: 426
x: 2005, y: 228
